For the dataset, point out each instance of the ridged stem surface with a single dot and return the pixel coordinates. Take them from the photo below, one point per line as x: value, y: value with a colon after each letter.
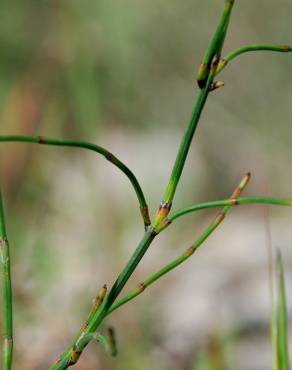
x: 7, y: 344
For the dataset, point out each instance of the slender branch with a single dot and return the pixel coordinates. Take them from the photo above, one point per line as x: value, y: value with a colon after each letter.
x: 97, y: 149
x: 206, y: 76
x: 188, y: 253
x: 248, y: 48
x: 185, y: 144
x: 230, y: 202
x: 7, y: 349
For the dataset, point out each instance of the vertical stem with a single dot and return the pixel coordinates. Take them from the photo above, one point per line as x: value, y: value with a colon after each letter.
x: 6, y: 295
x: 206, y: 75
x: 216, y: 44
x: 282, y: 320
x: 187, y: 138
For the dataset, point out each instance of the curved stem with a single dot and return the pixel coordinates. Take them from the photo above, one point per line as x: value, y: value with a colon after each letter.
x: 6, y: 294
x: 230, y: 202
x: 248, y: 48
x: 95, y: 148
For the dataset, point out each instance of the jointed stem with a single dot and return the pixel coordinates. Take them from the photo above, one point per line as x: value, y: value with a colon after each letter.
x: 186, y: 143
x: 129, y: 268
x: 230, y: 202
x: 95, y: 148
x: 188, y: 253
x: 7, y: 349
x: 216, y: 44
x: 206, y: 76
x: 248, y: 48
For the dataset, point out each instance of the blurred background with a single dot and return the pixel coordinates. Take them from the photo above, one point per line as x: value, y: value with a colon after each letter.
x: 122, y: 74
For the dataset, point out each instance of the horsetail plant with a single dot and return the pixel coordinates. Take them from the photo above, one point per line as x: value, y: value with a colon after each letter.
x: 106, y: 301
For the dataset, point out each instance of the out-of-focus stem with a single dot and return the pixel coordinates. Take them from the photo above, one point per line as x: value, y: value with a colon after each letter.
x: 95, y: 148
x: 282, y: 320
x: 7, y: 349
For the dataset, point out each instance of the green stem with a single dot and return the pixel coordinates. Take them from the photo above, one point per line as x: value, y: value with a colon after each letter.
x: 188, y: 253
x: 129, y: 268
x: 186, y: 143
x: 205, y: 80
x: 230, y: 202
x: 248, y: 48
x: 6, y: 295
x: 67, y: 359
x: 95, y: 148
x: 282, y: 321
x: 215, y: 45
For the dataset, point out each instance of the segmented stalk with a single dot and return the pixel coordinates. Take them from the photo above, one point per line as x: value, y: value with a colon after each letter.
x: 230, y: 202
x: 188, y: 253
x: 248, y: 48
x: 7, y: 346
x: 216, y: 44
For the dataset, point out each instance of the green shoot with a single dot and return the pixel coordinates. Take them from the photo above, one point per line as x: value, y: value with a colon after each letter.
x: 246, y: 49
x: 282, y: 352
x: 7, y: 348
